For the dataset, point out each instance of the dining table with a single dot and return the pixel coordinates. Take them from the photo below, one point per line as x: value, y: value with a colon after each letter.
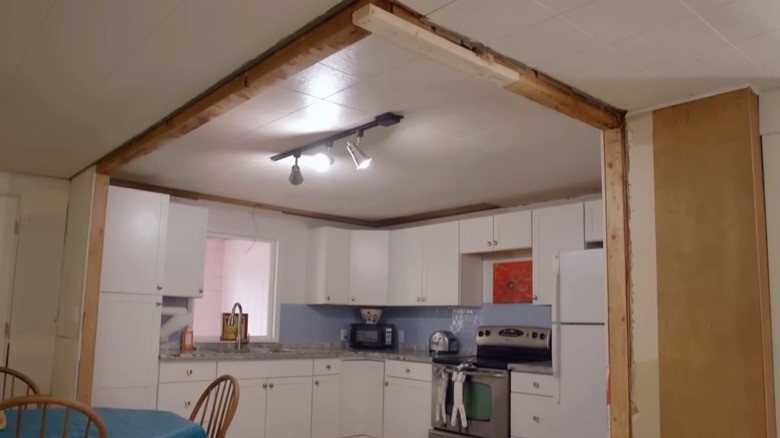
x: 120, y: 423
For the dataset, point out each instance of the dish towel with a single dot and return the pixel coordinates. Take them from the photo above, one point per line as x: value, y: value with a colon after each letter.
x: 441, y: 397
x: 2, y: 420
x: 458, y: 408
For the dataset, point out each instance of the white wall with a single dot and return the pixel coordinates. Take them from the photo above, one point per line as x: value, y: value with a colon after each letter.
x: 74, y: 271
x: 769, y: 108
x: 43, y: 209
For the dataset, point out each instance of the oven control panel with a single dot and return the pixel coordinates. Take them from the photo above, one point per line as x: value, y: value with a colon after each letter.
x: 514, y: 336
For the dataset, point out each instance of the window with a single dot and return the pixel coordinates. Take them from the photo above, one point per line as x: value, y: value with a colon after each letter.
x: 237, y: 270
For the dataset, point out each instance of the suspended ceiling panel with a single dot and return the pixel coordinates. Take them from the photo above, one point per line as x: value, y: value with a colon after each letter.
x: 79, y: 78
x: 462, y: 141
x: 632, y: 54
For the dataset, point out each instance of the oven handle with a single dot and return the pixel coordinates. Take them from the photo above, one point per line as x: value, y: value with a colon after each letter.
x: 496, y: 374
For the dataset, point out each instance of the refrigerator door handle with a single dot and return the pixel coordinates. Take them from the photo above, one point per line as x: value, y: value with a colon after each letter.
x: 556, y: 360
x: 556, y: 288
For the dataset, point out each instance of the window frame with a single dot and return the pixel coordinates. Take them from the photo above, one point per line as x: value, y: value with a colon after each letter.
x: 273, y: 309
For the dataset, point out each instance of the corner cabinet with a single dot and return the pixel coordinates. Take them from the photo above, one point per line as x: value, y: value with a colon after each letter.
x: 501, y: 232
x: 185, y: 251
x: 594, y: 221
x: 368, y: 267
x: 555, y: 229
x: 134, y: 242
x: 361, y: 398
x: 328, y: 266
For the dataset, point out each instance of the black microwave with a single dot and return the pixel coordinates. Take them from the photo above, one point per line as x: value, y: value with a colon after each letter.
x: 373, y: 336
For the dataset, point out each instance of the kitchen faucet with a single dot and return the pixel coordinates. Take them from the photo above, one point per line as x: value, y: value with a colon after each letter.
x: 239, y: 324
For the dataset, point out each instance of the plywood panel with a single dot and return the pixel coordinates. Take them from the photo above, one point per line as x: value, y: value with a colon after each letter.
x: 711, y: 269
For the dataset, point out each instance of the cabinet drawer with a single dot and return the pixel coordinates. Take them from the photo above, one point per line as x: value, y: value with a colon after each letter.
x: 188, y: 372
x: 324, y: 367
x: 408, y: 370
x: 536, y: 384
x: 179, y: 398
x: 531, y: 416
x: 263, y: 369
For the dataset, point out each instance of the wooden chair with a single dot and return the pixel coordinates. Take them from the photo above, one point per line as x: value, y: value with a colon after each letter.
x: 38, y: 408
x: 8, y: 384
x: 217, y: 406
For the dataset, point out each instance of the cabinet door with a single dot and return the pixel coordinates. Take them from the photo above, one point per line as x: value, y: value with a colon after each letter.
x: 134, y: 242
x: 369, y: 252
x: 326, y: 407
x: 512, y: 231
x: 328, y: 264
x: 406, y: 267
x: 179, y: 398
x: 532, y: 417
x: 185, y: 251
x: 288, y: 414
x: 594, y: 221
x: 249, y: 421
x: 441, y: 268
x: 407, y: 408
x: 556, y: 229
x: 361, y: 398
x: 476, y: 235
x: 126, y: 351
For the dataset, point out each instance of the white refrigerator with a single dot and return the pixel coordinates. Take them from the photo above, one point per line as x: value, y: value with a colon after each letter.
x: 580, y: 344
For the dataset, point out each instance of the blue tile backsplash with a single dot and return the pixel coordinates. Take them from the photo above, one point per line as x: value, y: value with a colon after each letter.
x: 303, y: 323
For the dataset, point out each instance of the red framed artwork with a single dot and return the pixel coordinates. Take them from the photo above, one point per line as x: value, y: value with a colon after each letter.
x: 512, y: 282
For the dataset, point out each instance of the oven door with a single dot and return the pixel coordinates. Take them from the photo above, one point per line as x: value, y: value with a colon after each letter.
x: 485, y: 399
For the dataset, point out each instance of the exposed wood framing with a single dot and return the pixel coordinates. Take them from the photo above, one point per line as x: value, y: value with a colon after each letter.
x: 618, y: 302
x: 92, y: 289
x: 437, y: 214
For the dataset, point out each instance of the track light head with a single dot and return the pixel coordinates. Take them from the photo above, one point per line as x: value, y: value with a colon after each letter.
x: 322, y: 162
x: 296, y: 177
x: 362, y: 160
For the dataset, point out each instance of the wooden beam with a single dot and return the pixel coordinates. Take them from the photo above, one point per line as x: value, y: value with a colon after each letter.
x: 196, y: 196
x: 532, y: 84
x: 306, y: 48
x: 92, y: 289
x: 437, y: 214
x: 618, y: 293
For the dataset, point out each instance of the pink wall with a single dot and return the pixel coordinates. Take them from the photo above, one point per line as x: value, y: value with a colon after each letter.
x: 246, y: 280
x: 208, y: 310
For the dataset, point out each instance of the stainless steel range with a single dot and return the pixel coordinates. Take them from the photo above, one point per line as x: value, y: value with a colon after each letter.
x: 471, y: 393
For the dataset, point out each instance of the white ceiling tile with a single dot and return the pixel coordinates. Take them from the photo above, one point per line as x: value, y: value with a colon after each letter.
x: 725, y: 62
x: 496, y: 18
x: 671, y: 44
x: 425, y: 7
x: 20, y: 23
x: 545, y: 42
x: 320, y: 81
x: 615, y: 20
x: 740, y: 19
x: 762, y: 48
x: 251, y: 117
x: 321, y: 116
x: 368, y: 57
x: 561, y: 6
x: 281, y: 100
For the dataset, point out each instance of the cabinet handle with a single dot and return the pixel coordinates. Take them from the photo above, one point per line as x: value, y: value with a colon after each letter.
x: 536, y: 419
x: 265, y: 385
x: 536, y: 297
x: 495, y: 243
x: 189, y: 372
x: 317, y: 382
x: 536, y: 385
x: 158, y: 304
x: 159, y: 287
x: 490, y: 243
x: 422, y: 299
x: 353, y: 298
x: 187, y: 404
x: 327, y: 367
x: 271, y: 385
x: 327, y: 298
x: 200, y: 290
x: 387, y: 383
x: 418, y: 299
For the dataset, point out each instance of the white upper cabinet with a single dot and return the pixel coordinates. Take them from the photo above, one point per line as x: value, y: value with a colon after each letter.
x: 496, y: 233
x: 134, y: 242
x: 594, y: 221
x: 328, y: 266
x: 441, y: 265
x: 185, y: 251
x: 369, y: 252
x: 406, y: 267
x: 555, y: 229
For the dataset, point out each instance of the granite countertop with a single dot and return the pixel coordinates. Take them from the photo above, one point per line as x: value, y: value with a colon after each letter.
x: 532, y: 367
x: 280, y: 353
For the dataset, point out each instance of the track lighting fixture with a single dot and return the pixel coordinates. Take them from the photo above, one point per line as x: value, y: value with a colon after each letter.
x: 323, y: 161
x: 296, y: 177
x: 361, y: 159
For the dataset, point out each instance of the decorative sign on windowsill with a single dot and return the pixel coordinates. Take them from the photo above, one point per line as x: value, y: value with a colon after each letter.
x: 229, y: 331
x: 512, y: 282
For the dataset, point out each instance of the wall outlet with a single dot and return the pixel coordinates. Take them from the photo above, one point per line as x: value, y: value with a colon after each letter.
x: 400, y: 336
x: 344, y: 335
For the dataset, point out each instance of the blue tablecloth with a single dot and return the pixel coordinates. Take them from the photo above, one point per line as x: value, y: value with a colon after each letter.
x: 120, y: 423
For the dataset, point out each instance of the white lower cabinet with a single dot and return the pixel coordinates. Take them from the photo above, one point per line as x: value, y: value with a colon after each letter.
x: 249, y: 421
x: 531, y: 416
x: 179, y: 398
x: 288, y: 407
x: 326, y: 407
x: 361, y: 398
x: 407, y: 408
